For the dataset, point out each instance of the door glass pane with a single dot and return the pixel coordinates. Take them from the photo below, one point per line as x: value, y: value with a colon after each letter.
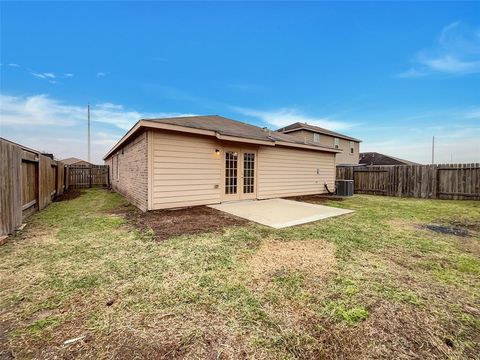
x: 231, y: 163
x: 248, y: 173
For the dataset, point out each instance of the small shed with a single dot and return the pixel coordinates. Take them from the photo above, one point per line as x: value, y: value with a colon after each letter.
x: 200, y: 160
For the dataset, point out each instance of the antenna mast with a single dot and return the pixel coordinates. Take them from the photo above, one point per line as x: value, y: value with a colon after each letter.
x: 88, y: 126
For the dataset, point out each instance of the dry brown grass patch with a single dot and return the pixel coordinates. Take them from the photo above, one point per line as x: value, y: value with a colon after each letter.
x: 404, y: 224
x: 312, y: 257
x: 392, y: 331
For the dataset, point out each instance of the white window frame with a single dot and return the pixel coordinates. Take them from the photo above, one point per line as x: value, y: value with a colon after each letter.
x: 352, y: 147
x: 316, y: 137
x: 336, y: 143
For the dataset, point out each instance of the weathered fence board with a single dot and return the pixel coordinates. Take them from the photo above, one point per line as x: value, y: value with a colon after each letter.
x: 28, y: 182
x: 29, y: 187
x: 87, y: 176
x: 444, y: 181
x: 11, y: 192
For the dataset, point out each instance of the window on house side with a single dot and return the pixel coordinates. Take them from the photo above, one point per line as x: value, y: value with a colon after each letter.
x: 352, y: 147
x: 316, y: 137
x: 336, y: 143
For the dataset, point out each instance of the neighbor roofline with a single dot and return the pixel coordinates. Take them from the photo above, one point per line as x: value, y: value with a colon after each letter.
x: 144, y: 123
x: 335, y: 134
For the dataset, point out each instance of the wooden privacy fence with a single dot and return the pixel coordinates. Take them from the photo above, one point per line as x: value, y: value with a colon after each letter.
x: 87, y: 176
x: 28, y: 183
x: 441, y: 181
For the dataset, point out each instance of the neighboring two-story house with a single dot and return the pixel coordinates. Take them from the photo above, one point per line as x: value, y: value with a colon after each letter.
x: 314, y: 134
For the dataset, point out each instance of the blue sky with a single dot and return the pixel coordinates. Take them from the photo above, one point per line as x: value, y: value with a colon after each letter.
x: 391, y: 74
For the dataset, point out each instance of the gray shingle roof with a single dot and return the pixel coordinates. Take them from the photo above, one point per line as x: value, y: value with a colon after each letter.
x: 221, y: 126
x: 225, y: 126
x: 304, y: 126
x: 375, y: 158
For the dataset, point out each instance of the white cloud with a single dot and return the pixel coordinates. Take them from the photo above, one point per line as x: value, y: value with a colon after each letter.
x: 456, y: 51
x: 13, y: 65
x: 101, y: 74
x: 451, y: 64
x: 45, y: 76
x: 39, y: 75
x: 43, y: 110
x: 286, y: 116
x: 44, y: 123
x: 38, y: 110
x: 69, y: 75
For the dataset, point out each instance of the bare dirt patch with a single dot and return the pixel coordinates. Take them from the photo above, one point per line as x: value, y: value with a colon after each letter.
x: 313, y: 257
x: 470, y: 245
x: 5, y: 352
x: 69, y: 195
x: 193, y: 220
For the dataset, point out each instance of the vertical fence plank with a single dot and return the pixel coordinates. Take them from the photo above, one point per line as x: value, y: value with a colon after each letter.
x: 87, y: 176
x: 443, y: 181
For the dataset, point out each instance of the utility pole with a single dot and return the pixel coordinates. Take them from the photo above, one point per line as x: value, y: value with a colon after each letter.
x: 433, y: 150
x: 88, y: 126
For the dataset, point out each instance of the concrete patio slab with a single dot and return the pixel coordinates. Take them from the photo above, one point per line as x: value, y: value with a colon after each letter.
x: 279, y: 213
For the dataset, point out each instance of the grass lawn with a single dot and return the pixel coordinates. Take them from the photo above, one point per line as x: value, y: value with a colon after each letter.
x: 373, y: 284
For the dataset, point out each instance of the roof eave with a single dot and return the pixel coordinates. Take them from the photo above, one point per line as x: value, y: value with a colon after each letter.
x: 307, y: 146
x: 322, y: 132
x: 163, y: 126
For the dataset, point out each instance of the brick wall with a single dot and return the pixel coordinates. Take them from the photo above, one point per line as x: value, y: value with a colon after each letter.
x: 131, y: 178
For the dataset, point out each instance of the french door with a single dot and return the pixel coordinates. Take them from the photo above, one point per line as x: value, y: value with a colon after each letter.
x: 240, y: 171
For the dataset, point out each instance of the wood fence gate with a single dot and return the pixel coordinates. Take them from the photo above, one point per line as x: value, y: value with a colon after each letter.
x: 87, y: 176
x: 444, y: 181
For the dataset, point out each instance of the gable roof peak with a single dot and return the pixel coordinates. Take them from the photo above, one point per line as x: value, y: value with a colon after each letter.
x: 314, y: 128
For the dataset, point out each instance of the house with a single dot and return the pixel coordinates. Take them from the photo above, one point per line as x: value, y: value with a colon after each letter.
x: 199, y: 160
x: 375, y: 158
x: 350, y: 146
x: 75, y: 161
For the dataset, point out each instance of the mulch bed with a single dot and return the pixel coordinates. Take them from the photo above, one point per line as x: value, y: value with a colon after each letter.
x: 68, y: 195
x: 192, y: 220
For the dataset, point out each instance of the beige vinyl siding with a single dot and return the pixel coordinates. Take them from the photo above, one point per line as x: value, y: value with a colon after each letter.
x: 345, y: 157
x: 290, y: 172
x: 185, y: 170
